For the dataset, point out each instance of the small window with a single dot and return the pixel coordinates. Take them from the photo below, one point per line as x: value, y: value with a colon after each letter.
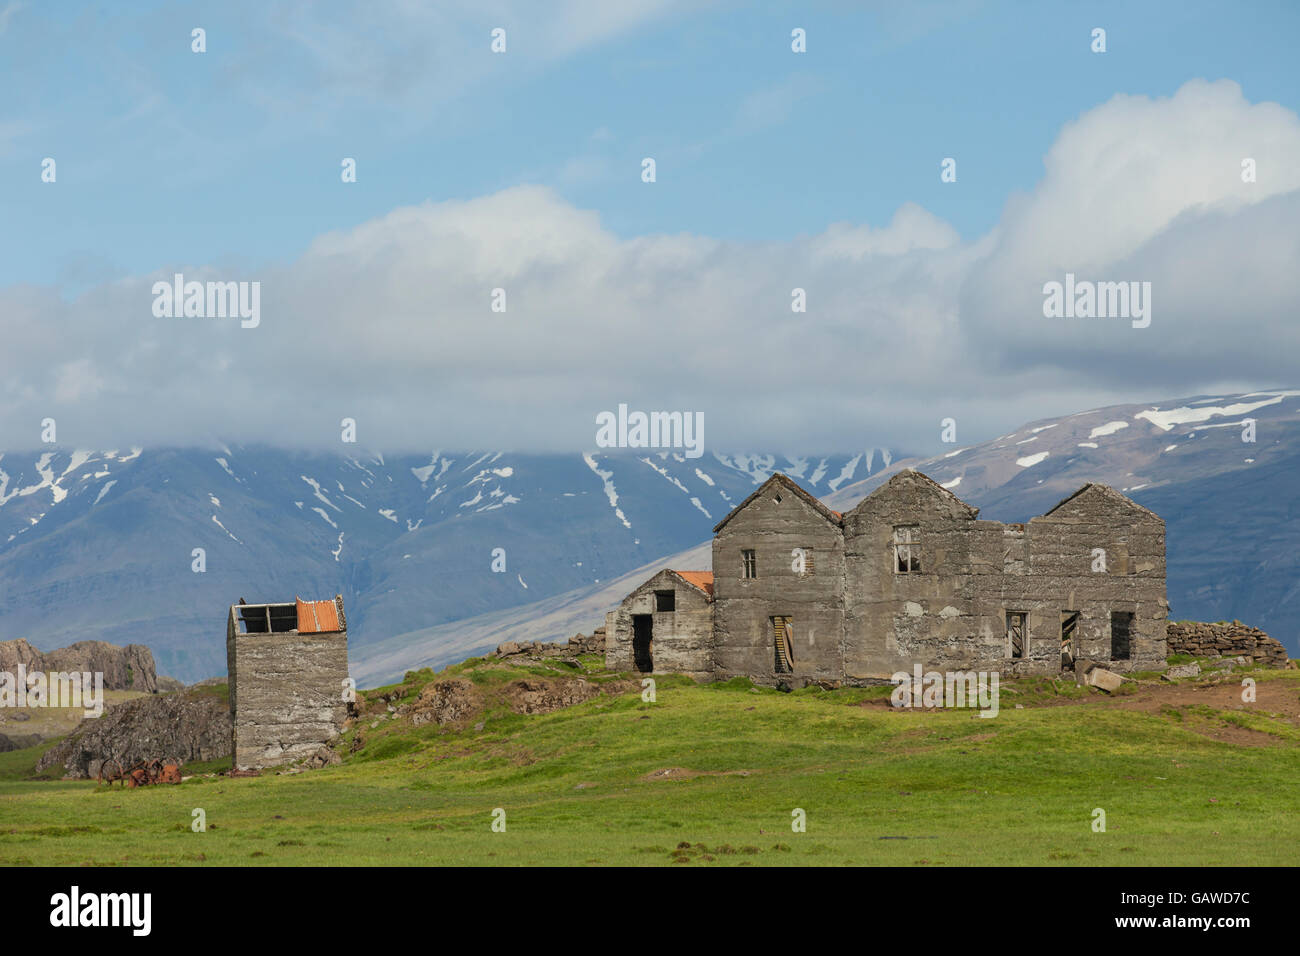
x: 749, y: 564
x: 783, y: 643
x: 1121, y: 635
x: 665, y: 601
x: 907, y: 549
x: 1017, y: 634
x: 806, y: 563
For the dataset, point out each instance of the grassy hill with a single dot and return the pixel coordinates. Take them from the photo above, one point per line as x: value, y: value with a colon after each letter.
x: 710, y: 775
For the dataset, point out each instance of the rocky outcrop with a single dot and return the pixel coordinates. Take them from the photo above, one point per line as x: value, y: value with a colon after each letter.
x: 10, y: 742
x: 578, y: 644
x: 544, y: 696
x: 446, y: 702
x: 1225, y: 640
x: 186, y: 726
x: 124, y: 668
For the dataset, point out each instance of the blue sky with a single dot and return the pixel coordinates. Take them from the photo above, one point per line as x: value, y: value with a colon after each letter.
x: 233, y: 156
x: 775, y: 171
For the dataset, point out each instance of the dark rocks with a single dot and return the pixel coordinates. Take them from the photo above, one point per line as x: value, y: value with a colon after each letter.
x: 188, y: 726
x: 446, y: 702
x: 10, y: 742
x: 543, y: 696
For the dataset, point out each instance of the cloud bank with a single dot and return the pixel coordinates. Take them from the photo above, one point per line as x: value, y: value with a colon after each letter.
x: 391, y: 323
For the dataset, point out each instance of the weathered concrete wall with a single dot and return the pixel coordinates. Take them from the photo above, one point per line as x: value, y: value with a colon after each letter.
x: 952, y: 614
x: 1099, y: 553
x: 286, y: 693
x: 682, y: 638
x: 858, y: 619
x: 743, y: 608
x: 941, y: 616
x: 1225, y: 640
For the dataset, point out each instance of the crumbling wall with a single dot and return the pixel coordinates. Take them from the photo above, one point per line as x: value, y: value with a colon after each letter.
x: 1095, y: 554
x: 773, y: 525
x: 1225, y: 640
x: 946, y: 616
x: 1099, y: 553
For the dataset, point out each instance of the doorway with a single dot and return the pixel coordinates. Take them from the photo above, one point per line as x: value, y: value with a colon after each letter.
x: 1069, y: 624
x: 643, y: 642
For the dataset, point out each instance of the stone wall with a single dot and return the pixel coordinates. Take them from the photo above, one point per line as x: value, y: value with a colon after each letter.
x: 286, y: 693
x: 1225, y: 640
x: 593, y: 643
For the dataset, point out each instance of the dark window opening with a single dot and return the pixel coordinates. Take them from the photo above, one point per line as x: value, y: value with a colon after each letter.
x: 907, y: 549
x: 1069, y: 624
x: 665, y: 600
x: 749, y: 564
x: 1017, y: 636
x: 783, y: 643
x: 268, y: 618
x: 643, y: 642
x: 1121, y: 635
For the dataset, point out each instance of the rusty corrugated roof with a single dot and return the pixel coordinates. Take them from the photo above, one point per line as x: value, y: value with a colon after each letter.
x: 317, y: 617
x: 700, y: 579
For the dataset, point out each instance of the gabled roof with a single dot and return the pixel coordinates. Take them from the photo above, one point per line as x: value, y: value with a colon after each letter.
x: 778, y: 478
x: 1106, y: 490
x: 703, y: 580
x: 912, y: 473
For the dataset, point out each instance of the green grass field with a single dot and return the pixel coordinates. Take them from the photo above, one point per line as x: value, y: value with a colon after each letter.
x: 586, y: 785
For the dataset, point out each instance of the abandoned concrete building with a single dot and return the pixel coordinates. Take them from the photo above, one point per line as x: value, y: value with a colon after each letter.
x: 801, y: 594
x: 288, y: 671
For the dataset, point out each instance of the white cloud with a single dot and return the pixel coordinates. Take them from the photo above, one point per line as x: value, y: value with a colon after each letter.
x: 390, y: 322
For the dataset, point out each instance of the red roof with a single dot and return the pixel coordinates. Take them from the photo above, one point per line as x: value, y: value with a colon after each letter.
x: 317, y: 617
x: 700, y: 579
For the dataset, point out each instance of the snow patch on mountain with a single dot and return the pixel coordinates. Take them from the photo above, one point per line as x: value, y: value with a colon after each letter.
x: 611, y: 493
x: 109, y: 484
x: 845, y: 473
x: 1182, y: 416
x: 1109, y: 428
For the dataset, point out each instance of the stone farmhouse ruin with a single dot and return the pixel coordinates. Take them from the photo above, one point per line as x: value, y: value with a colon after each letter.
x: 288, y: 676
x: 911, y: 576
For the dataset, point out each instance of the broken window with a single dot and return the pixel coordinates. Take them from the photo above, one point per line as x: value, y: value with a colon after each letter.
x: 907, y: 549
x: 665, y: 600
x: 749, y: 563
x: 1069, y: 624
x: 1017, y: 636
x: 783, y: 643
x: 1121, y: 635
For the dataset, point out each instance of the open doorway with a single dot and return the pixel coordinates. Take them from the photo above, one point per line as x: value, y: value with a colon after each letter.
x: 643, y: 642
x: 1069, y: 624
